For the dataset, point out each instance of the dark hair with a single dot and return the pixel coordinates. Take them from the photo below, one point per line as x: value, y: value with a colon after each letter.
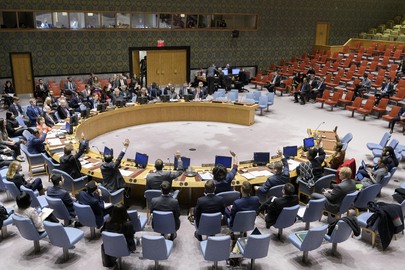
x: 108, y: 158
x: 339, y: 146
x: 159, y: 164
x: 219, y: 172
x: 289, y: 189
x: 2, y: 127
x: 209, y: 186
x: 68, y: 149
x: 119, y: 214
x: 56, y: 178
x: 91, y: 186
x: 165, y: 187
x: 23, y: 200
x: 312, y: 153
x: 9, y: 115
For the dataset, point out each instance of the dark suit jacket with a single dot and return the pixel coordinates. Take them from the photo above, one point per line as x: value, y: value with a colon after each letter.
x: 59, y: 192
x: 41, y: 93
x: 33, y: 112
x: 336, y: 196
x: 112, y: 178
x: 15, y: 109
x: 50, y: 120
x: 244, y: 204
x: 305, y: 88
x: 167, y: 203
x: 155, y: 179
x: 62, y: 112
x: 209, y: 203
x: 66, y: 85
x: 96, y: 203
x: 277, y: 80
x: 390, y: 88
x: 70, y: 163
x: 274, y: 208
x: 225, y: 185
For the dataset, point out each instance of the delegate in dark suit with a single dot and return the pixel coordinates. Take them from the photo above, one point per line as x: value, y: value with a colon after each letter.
x: 41, y: 90
x: 33, y: 112
x: 16, y: 109
x: 303, y: 93
x: 63, y: 112
x: 96, y: 203
x: 281, y: 177
x: 209, y: 203
x: 387, y: 90
x: 167, y: 203
x: 112, y: 178
x: 274, y: 83
x: 35, y: 143
x: 274, y: 208
x: 155, y: 179
x: 59, y: 192
x: 244, y: 204
x: 69, y: 163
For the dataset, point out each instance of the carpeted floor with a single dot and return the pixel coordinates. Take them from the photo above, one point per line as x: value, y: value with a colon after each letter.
x: 285, y: 124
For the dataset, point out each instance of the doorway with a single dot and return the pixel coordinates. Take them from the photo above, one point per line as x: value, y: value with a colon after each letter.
x: 163, y: 65
x: 22, y: 72
x: 322, y: 33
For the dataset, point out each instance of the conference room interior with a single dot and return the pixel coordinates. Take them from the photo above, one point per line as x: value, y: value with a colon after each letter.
x: 285, y: 123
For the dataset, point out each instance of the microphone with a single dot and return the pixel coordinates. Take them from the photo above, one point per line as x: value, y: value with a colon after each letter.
x: 93, y: 146
x: 316, y: 136
x: 168, y: 161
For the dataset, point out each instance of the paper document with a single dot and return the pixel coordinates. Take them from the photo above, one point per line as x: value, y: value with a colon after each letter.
x: 45, y: 213
x: 301, y: 211
x: 248, y: 176
x: 205, y: 176
x: 261, y: 173
x: 107, y: 205
x: 55, y: 141
x: 292, y: 164
x: 126, y: 172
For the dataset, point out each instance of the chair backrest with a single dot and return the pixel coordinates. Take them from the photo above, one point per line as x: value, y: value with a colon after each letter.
x: 135, y: 221
x: 257, y: 246
x: 270, y: 98
x: 26, y: 228
x: 326, y: 94
x: 85, y: 214
x: 34, y: 200
x: 244, y: 221
x: 249, y: 96
x: 115, y: 244
x: 57, y: 234
x: 349, y: 96
x: 59, y: 209
x: 105, y: 194
x: 347, y: 138
x: 263, y: 101
x: 385, y: 138
x: 257, y: 95
x: 67, y: 179
x: 150, y: 194
x: 383, y: 103
x: 366, y: 195
x: 217, y: 248
x: 394, y: 111
x: 276, y: 191
x: 209, y: 224
x: 347, y: 202
x: 50, y: 165
x: 12, y: 188
x: 155, y: 247
x: 26, y: 134
x: 385, y: 180
x: 323, y: 182
x: 393, y: 143
x: 341, y: 232
x: 314, y: 210
x: 21, y: 122
x: 314, y: 238
x: 357, y: 102
x: 369, y: 105
x: 287, y: 217
x: 163, y: 222
x: 229, y: 196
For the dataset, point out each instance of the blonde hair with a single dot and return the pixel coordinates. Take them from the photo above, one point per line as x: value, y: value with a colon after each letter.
x: 345, y: 173
x: 12, y: 169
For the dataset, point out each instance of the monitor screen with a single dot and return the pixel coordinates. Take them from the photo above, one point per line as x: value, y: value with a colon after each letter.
x: 101, y: 107
x: 261, y: 158
x: 290, y: 151
x: 186, y: 162
x: 142, y: 100
x: 225, y: 71
x: 74, y: 120
x: 107, y: 151
x: 67, y: 126
x: 308, y: 143
x: 165, y: 98
x: 141, y: 160
x: 235, y: 71
x: 225, y: 161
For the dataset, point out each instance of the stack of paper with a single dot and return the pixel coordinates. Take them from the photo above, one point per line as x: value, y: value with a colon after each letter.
x: 292, y: 164
x: 126, y: 172
x: 205, y: 176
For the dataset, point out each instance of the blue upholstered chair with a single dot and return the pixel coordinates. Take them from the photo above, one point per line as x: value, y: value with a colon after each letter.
x: 366, y: 195
x: 11, y: 188
x: 114, y: 197
x: 286, y: 219
x: 262, y: 103
x: 229, y: 196
x: 244, y: 221
x: 35, y: 161
x: 255, y: 246
x: 377, y: 152
x: 383, y: 142
x: 312, y: 239
x: 149, y: 195
x: 36, y: 201
x: 270, y: 100
x: 50, y: 165
x: 70, y: 184
x: 257, y: 95
x: 115, y: 245
x: 59, y: 209
x: 156, y: 248
x: 209, y: 224
x: 28, y: 231
x: 341, y: 233
x: 63, y: 237
x: 233, y: 96
x: 313, y: 211
x: 20, y: 121
x: 138, y: 222
x: 321, y: 183
x: 362, y: 220
x: 163, y: 222
x: 346, y: 204
x: 6, y: 222
x: 216, y: 248
x: 86, y: 217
